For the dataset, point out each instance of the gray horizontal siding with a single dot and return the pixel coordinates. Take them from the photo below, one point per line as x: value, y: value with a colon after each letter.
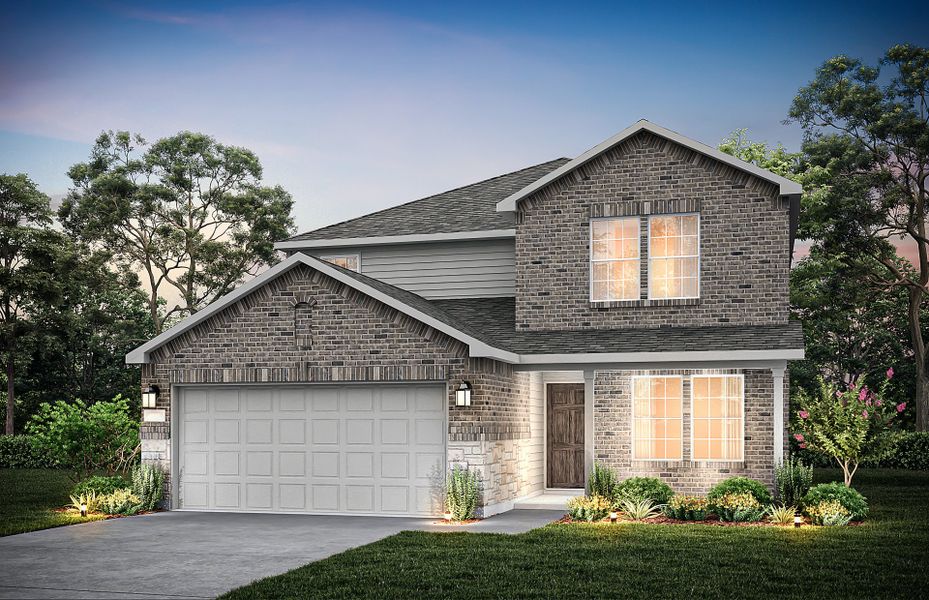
x: 460, y: 269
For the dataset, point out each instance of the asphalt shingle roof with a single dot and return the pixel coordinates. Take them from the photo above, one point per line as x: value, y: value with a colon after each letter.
x: 469, y: 208
x: 493, y: 321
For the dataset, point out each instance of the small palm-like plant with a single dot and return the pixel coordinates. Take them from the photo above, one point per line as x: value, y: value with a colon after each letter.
x: 782, y: 515
x: 639, y: 510
x: 461, y: 489
x: 88, y: 500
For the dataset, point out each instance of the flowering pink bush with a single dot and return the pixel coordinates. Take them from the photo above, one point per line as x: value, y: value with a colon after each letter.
x: 850, y: 425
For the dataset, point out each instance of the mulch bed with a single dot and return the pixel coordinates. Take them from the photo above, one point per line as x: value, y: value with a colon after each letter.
x: 454, y: 523
x: 714, y: 522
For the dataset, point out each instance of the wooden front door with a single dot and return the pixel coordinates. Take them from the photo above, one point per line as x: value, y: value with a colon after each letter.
x: 565, y: 435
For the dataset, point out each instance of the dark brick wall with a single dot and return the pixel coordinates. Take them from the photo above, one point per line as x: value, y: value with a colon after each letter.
x: 613, y: 432
x: 744, y: 242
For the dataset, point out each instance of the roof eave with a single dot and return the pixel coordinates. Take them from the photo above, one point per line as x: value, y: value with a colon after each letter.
x: 451, y: 236
x: 787, y: 187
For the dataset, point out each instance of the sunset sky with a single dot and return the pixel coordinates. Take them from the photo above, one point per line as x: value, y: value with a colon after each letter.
x: 358, y: 106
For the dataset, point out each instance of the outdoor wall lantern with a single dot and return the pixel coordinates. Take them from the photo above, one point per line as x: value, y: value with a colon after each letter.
x: 150, y: 396
x: 463, y: 394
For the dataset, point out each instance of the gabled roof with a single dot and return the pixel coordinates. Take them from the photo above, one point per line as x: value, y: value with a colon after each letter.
x: 787, y: 187
x: 465, y: 209
x: 408, y: 303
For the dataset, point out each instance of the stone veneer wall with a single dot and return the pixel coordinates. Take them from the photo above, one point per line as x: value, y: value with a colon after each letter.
x: 744, y: 240
x: 353, y: 338
x: 613, y: 432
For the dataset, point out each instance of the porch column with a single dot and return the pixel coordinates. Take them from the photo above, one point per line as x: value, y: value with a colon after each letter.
x: 778, y: 376
x: 588, y: 424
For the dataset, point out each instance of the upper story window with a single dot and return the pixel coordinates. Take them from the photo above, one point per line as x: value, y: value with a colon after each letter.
x: 673, y: 256
x: 614, y: 259
x: 657, y: 417
x: 352, y: 262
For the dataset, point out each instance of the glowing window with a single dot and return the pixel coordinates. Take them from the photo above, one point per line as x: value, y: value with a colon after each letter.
x: 674, y: 256
x: 718, y: 420
x: 614, y: 259
x: 657, y: 422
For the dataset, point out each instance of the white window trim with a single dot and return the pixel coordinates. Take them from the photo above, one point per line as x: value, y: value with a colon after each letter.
x: 356, y: 255
x: 741, y: 377
x: 680, y: 379
x: 648, y: 245
x: 590, y: 260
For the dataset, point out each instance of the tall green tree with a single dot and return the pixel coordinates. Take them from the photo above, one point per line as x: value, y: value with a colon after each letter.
x: 77, y: 344
x: 869, y: 131
x: 189, y: 213
x: 26, y: 247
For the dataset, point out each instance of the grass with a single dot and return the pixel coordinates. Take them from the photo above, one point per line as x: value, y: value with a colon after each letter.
x: 29, y: 497
x: 883, y: 558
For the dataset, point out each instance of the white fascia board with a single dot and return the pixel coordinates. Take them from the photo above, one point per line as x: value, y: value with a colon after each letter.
x: 477, y: 348
x: 487, y: 234
x: 633, y: 358
x: 787, y: 186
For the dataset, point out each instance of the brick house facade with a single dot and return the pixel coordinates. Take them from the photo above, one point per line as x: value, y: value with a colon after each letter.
x: 311, y: 324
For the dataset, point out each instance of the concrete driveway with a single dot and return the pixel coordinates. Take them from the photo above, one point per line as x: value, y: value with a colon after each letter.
x: 197, y: 555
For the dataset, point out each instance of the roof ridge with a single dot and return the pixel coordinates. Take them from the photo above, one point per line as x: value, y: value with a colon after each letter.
x: 455, y: 189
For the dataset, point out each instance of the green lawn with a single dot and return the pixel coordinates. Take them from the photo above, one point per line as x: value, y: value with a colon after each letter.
x: 28, y: 498
x: 885, y: 557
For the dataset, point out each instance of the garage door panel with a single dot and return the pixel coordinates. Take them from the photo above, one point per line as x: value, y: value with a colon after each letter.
x: 292, y: 464
x: 359, y: 431
x: 259, y: 431
x: 325, y: 431
x: 292, y: 431
x: 359, y: 464
x: 326, y: 449
x: 326, y: 464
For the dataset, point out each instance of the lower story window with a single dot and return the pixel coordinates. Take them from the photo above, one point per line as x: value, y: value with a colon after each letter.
x: 718, y: 419
x: 657, y: 417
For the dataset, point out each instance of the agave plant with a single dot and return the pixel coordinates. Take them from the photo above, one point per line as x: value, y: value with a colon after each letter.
x: 782, y: 515
x: 639, y: 510
x: 88, y: 500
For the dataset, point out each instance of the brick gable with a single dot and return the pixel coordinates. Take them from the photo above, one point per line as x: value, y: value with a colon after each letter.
x: 744, y: 240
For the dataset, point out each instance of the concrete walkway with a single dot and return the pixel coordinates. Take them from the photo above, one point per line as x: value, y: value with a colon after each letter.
x: 197, y: 555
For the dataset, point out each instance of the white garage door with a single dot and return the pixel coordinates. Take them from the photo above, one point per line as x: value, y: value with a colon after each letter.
x: 371, y: 450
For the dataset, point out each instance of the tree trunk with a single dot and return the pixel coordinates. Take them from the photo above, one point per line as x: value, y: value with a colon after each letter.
x: 10, y: 392
x: 922, y: 401
x: 921, y: 393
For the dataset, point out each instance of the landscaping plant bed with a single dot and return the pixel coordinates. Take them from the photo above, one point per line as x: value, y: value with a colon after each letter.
x: 456, y: 523
x: 567, y: 520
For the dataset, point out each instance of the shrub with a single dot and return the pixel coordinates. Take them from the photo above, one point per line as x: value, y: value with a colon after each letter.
x: 852, y: 426
x: 639, y: 510
x: 602, y: 481
x: 735, y: 485
x: 89, y: 500
x: 99, y: 484
x: 461, y: 489
x: 782, y: 515
x: 148, y: 484
x: 20, y: 452
x: 643, y: 488
x: 850, y: 498
x: 119, y: 502
x: 738, y: 507
x: 793, y: 480
x: 908, y: 450
x: 87, y: 438
x: 589, y: 508
x: 829, y: 513
x: 687, y: 508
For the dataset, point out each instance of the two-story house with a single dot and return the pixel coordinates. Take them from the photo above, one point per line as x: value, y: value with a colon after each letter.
x: 628, y: 306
